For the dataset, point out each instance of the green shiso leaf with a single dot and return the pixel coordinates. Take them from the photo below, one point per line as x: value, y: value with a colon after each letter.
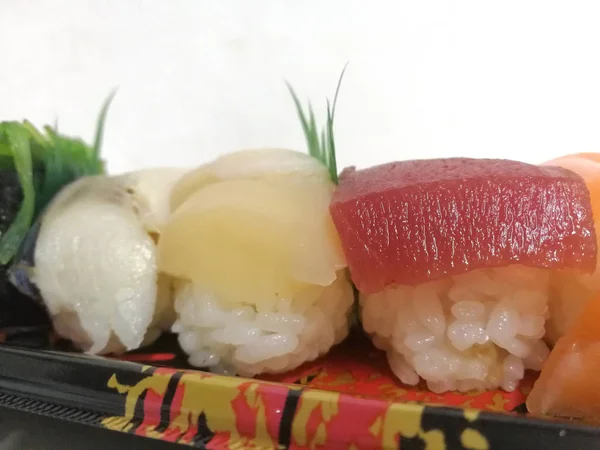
x: 321, y: 143
x: 62, y: 159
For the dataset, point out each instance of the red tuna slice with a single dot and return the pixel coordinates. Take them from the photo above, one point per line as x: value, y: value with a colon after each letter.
x: 415, y: 221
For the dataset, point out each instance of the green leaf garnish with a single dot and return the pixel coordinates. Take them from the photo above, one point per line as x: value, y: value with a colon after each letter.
x: 321, y: 145
x: 62, y: 159
x: 100, y: 125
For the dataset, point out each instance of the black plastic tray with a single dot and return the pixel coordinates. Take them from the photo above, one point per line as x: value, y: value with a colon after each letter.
x: 194, y: 408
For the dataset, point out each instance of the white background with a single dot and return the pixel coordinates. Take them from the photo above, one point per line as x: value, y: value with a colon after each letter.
x: 514, y: 78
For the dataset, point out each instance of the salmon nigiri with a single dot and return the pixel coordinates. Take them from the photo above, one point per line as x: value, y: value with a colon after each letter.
x: 568, y: 384
x: 572, y: 288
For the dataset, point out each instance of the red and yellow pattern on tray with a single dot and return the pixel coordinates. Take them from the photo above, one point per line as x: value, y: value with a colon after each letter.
x: 348, y: 400
x: 217, y: 412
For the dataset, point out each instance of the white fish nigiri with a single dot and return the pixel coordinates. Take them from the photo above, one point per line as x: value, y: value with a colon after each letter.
x: 263, y: 286
x: 95, y: 260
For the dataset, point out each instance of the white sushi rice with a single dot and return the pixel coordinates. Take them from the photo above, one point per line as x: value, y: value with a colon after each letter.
x: 476, y: 331
x: 246, y: 340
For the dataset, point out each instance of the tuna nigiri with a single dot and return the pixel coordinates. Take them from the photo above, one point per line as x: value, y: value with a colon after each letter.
x: 453, y: 261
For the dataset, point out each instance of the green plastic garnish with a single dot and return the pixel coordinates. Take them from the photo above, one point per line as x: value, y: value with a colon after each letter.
x: 321, y: 145
x: 62, y: 160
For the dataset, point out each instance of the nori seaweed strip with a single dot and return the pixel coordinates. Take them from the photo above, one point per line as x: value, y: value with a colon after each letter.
x: 17, y: 311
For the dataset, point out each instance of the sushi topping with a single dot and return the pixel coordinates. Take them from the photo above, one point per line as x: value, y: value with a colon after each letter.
x: 568, y: 384
x: 573, y: 288
x: 321, y: 145
x: 416, y: 221
x: 44, y: 164
x: 94, y: 260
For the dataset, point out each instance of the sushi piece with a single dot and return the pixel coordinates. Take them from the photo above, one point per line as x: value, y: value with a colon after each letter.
x: 261, y: 279
x: 34, y: 165
x: 94, y: 260
x: 262, y: 285
x: 571, y: 288
x: 567, y: 386
x: 453, y: 260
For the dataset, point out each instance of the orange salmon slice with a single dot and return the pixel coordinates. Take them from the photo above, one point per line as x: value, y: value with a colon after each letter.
x: 568, y: 383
